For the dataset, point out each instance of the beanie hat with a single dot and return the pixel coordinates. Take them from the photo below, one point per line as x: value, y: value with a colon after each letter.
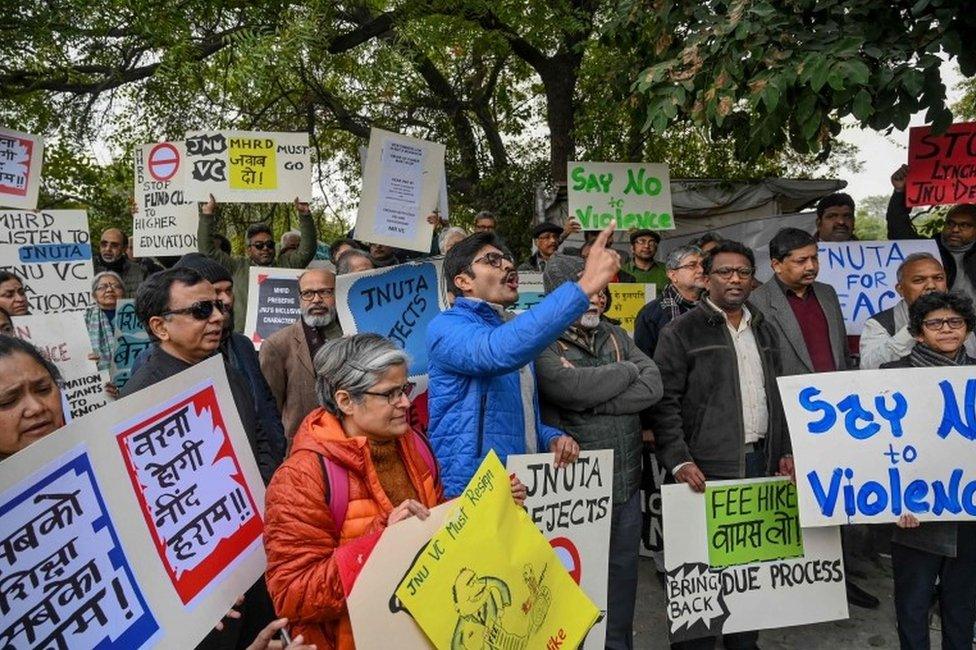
x: 559, y: 269
x: 208, y: 268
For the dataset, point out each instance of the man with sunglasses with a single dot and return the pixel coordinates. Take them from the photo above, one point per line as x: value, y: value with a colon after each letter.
x: 721, y: 415
x: 482, y: 392
x: 259, y: 251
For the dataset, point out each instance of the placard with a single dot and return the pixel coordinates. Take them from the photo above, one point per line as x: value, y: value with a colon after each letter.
x: 703, y: 600
x: 273, y: 302
x: 635, y: 195
x: 51, y: 253
x: 64, y: 341
x: 166, y: 221
x: 131, y: 339
x: 21, y: 157
x: 941, y: 168
x: 864, y: 274
x: 626, y: 301
x: 572, y: 506
x: 248, y: 166
x: 81, y: 565
x: 531, y: 291
x: 751, y: 522
x: 872, y: 445
x: 401, y: 185
x: 652, y: 527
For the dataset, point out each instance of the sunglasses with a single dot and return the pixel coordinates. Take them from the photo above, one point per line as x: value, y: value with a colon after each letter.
x: 199, y: 310
x: 263, y: 245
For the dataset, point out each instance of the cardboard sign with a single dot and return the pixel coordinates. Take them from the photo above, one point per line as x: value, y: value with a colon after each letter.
x: 864, y: 274
x: 21, y: 156
x: 874, y: 444
x: 708, y: 601
x: 531, y: 291
x: 51, y: 253
x: 636, y: 195
x: 273, y: 302
x: 64, y: 341
x: 941, y: 168
x: 652, y: 526
x: 397, y: 302
x: 90, y: 554
x: 131, y: 339
x: 626, y: 301
x: 467, y: 590
x: 751, y: 522
x: 572, y: 508
x: 166, y: 221
x: 401, y: 186
x: 248, y: 166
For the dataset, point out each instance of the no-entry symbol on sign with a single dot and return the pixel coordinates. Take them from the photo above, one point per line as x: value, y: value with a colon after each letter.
x: 164, y: 161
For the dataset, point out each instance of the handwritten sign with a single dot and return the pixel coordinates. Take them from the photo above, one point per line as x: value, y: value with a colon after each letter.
x: 531, y: 291
x: 272, y: 302
x: 467, y: 590
x: 941, y: 168
x: 864, y: 274
x: 636, y: 195
x: 74, y: 566
x: 397, y: 302
x: 752, y: 522
x: 652, y: 526
x: 132, y: 339
x: 872, y: 445
x: 402, y: 182
x: 248, y: 166
x: 166, y: 222
x: 572, y: 507
x: 626, y: 301
x: 51, y: 253
x: 703, y: 600
x: 21, y: 156
x: 63, y: 340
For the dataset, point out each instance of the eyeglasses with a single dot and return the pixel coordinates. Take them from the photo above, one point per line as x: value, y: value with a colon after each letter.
x: 394, y: 394
x: 199, y: 310
x: 689, y: 265
x: 494, y: 259
x: 726, y: 272
x: 935, y: 324
x: 106, y: 287
x: 959, y: 225
x: 263, y: 245
x: 312, y: 294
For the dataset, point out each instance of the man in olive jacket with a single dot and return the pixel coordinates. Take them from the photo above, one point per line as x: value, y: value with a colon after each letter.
x: 593, y: 384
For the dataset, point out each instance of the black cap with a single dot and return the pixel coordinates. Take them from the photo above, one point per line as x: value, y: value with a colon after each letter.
x: 208, y: 268
x: 546, y: 226
x: 644, y: 232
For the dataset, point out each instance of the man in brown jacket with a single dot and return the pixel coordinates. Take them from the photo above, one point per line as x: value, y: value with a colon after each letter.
x: 286, y: 355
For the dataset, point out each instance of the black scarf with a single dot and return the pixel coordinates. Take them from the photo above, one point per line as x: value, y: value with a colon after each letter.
x: 922, y: 356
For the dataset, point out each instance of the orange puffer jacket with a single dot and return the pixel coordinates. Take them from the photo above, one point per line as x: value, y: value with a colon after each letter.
x: 304, y: 548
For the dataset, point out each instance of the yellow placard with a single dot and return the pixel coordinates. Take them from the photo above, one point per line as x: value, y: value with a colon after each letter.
x: 489, y: 579
x: 626, y: 301
x: 252, y: 164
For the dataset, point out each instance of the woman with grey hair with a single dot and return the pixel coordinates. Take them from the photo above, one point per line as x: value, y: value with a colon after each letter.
x: 107, y: 289
x: 355, y: 468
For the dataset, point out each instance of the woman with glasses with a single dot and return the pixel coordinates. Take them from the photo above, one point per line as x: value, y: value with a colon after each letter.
x: 355, y: 468
x: 936, y: 552
x: 13, y: 298
x: 107, y: 289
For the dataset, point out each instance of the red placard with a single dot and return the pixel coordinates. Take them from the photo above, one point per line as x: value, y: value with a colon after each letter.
x: 941, y: 168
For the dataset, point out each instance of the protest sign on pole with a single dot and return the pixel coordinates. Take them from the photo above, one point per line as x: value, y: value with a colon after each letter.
x: 489, y: 578
x: 864, y: 274
x: 626, y: 301
x: 531, y: 290
x: 708, y: 600
x: 248, y: 166
x: 51, y: 253
x: 572, y: 508
x: 272, y: 301
x: 21, y: 158
x: 63, y: 339
x: 872, y: 445
x: 635, y: 195
x: 652, y: 528
x: 402, y: 184
x: 941, y: 167
x: 166, y: 221
x: 135, y: 526
x: 131, y: 339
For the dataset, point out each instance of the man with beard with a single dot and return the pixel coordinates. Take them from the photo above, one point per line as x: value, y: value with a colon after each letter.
x: 111, y: 257
x: 593, y: 384
x: 835, y: 218
x: 286, y: 356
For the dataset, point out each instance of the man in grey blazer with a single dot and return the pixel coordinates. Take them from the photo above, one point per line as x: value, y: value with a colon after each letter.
x: 807, y: 317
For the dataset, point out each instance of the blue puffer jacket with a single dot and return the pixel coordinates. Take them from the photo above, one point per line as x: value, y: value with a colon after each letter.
x: 474, y: 396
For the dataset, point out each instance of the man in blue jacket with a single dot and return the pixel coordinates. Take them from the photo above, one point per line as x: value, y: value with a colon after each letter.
x: 482, y: 393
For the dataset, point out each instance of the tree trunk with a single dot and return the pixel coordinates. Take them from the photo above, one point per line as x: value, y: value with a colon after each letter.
x: 559, y: 81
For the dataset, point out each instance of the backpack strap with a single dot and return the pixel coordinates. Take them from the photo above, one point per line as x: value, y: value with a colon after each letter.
x: 422, y: 445
x: 337, y: 490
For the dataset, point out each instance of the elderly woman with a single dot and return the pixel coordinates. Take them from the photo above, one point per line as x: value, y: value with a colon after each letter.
x: 30, y: 396
x: 355, y: 468
x: 943, y: 552
x: 107, y: 289
x: 13, y: 298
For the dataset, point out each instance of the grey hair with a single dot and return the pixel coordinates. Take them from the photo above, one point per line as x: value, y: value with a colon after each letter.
x: 290, y: 233
x: 354, y: 364
x: 345, y: 260
x: 485, y: 214
x: 113, y: 274
x: 676, y: 256
x: 447, y: 232
x: 911, y: 259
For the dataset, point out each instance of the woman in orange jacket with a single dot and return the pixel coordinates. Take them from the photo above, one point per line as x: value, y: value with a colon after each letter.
x: 355, y: 468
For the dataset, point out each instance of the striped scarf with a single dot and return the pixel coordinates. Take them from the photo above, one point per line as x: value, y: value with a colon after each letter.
x: 673, y: 303
x: 922, y: 356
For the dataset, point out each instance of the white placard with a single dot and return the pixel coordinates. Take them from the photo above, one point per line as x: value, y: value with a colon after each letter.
x: 166, y: 221
x: 21, y: 158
